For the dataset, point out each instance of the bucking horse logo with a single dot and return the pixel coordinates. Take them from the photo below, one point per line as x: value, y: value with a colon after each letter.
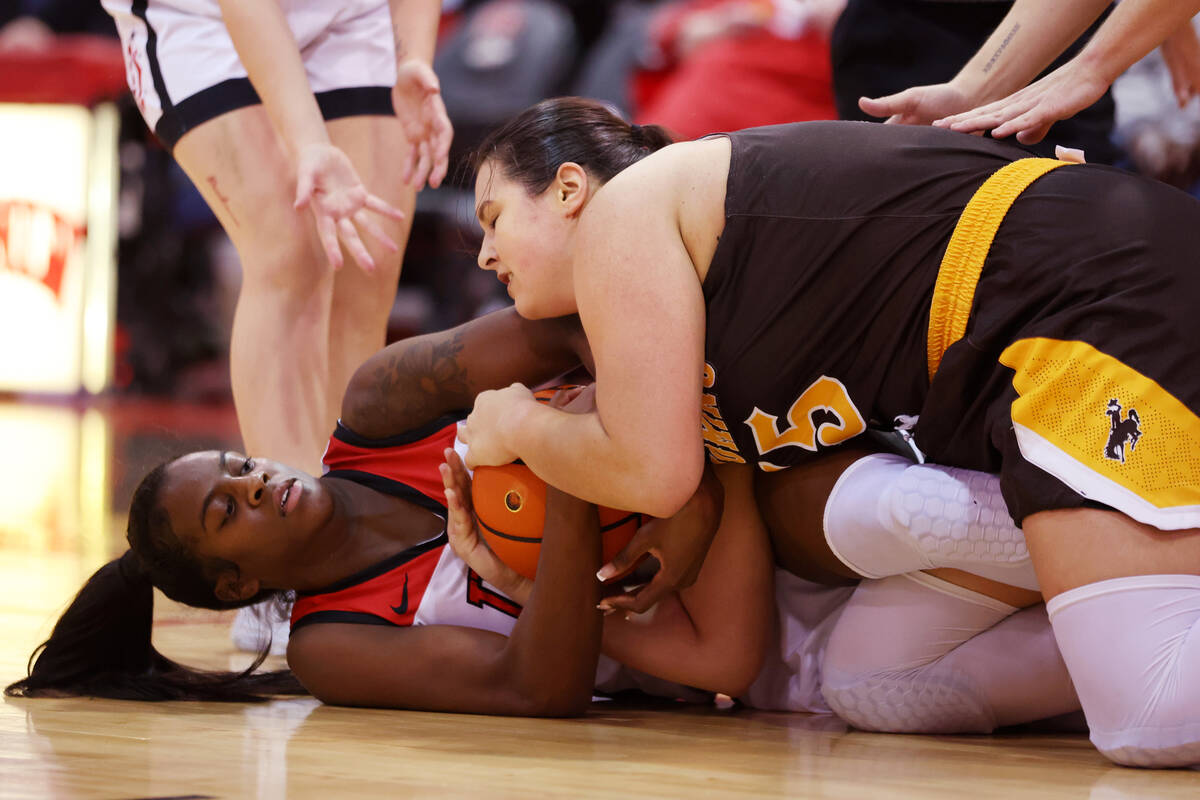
x: 1121, y: 431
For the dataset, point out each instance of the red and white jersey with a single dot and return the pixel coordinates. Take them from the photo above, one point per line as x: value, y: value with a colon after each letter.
x: 424, y: 585
x: 427, y: 584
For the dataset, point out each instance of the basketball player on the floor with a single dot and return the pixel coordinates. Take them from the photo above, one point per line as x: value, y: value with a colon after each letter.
x: 365, y: 548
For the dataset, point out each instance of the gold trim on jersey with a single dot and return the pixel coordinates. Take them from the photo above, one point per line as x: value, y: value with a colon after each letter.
x: 954, y: 291
x: 717, y: 438
x: 1106, y: 430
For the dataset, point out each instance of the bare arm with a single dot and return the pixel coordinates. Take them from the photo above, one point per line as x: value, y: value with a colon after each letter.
x: 417, y: 94
x: 642, y: 308
x: 1134, y: 29
x: 416, y: 380
x: 415, y: 25
x: 1027, y: 40
x: 710, y: 635
x: 546, y: 667
x: 268, y: 51
x: 1030, y: 37
x: 713, y: 634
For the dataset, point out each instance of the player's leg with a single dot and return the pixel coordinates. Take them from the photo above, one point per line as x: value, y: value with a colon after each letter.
x: 850, y: 515
x: 1124, y: 600
x: 361, y: 302
x: 888, y: 516
x: 792, y: 504
x: 914, y: 654
x: 279, y: 353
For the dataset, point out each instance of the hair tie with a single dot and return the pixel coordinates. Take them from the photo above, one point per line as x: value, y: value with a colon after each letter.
x: 131, y: 569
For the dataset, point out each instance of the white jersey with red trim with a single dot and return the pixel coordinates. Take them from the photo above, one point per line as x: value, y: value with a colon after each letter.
x: 427, y: 584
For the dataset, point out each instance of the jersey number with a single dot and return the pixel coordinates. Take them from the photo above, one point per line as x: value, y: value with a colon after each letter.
x: 479, y: 596
x: 822, y: 414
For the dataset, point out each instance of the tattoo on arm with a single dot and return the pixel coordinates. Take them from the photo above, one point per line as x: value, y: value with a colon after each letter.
x: 1003, y: 45
x: 418, y: 384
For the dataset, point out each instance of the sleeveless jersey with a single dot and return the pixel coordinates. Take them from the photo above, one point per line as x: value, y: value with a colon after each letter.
x: 426, y: 584
x: 1075, y: 355
x: 818, y: 293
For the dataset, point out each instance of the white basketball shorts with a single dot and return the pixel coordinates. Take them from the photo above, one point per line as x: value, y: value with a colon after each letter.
x: 183, y: 69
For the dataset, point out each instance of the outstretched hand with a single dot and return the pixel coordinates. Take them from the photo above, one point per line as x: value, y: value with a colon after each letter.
x: 327, y: 183
x: 1030, y: 112
x: 919, y: 105
x: 417, y: 99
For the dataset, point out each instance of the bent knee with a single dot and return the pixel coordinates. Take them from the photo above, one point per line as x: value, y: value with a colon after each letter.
x: 284, y: 256
x: 910, y: 701
x: 1132, y: 646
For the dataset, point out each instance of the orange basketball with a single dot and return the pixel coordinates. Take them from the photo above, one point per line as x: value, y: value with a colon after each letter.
x: 510, y: 504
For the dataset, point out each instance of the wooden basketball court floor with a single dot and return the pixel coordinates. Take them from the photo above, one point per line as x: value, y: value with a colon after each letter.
x: 65, y: 481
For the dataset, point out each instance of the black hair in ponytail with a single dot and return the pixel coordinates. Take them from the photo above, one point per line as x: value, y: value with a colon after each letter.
x: 101, y: 645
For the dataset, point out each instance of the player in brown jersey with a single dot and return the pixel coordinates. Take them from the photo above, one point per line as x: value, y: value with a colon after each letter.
x: 825, y: 277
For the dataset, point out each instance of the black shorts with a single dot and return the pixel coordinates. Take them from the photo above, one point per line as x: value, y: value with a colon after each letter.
x: 1078, y: 379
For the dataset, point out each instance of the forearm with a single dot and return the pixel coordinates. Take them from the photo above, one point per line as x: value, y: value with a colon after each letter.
x: 1030, y: 37
x: 664, y: 642
x: 711, y: 635
x: 576, y: 453
x: 268, y: 51
x: 415, y: 25
x: 554, y: 646
x: 1134, y: 29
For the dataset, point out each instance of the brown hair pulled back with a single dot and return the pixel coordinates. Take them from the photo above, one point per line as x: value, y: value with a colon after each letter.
x: 531, y: 146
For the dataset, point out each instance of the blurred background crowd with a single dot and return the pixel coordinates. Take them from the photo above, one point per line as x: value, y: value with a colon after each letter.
x: 692, y: 66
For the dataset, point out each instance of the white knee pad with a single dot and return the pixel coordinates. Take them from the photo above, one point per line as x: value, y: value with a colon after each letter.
x: 1133, y: 648
x: 888, y: 516
x: 884, y: 668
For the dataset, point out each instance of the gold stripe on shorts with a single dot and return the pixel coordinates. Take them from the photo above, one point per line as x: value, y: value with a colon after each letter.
x: 1109, y: 432
x: 954, y: 290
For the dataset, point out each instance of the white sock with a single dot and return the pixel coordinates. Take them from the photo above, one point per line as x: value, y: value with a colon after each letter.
x: 1133, y: 648
x: 888, y: 516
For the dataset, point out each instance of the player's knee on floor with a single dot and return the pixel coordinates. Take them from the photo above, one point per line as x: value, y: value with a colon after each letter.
x: 885, y: 666
x: 911, y: 701
x: 1132, y: 646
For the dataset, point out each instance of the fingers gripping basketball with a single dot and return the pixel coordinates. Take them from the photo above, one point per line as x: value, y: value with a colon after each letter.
x: 510, y: 503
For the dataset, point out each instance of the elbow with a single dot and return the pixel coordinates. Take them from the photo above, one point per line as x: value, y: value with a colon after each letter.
x: 561, y: 701
x: 666, y: 485
x: 575, y: 707
x: 737, y: 676
x: 734, y: 669
x: 533, y: 690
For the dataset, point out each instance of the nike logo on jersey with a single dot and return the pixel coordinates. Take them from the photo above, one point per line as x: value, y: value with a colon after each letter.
x: 402, y: 609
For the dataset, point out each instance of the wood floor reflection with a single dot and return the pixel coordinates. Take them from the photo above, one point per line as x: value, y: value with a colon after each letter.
x: 63, y: 490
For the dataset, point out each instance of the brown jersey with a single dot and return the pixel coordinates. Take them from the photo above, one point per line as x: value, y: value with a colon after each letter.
x: 1080, y: 330
x: 818, y: 293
